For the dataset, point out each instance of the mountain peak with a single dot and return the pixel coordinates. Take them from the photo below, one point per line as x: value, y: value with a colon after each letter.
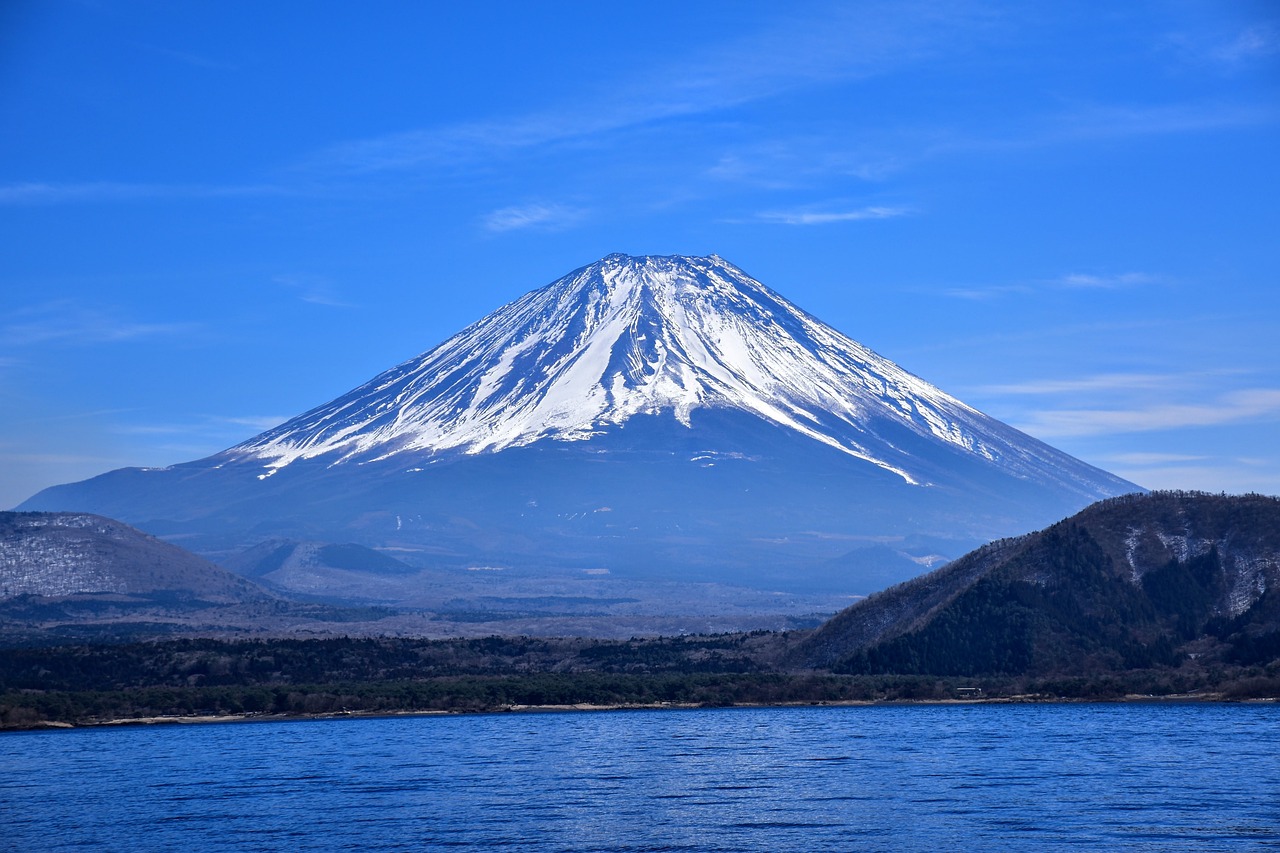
x: 664, y: 335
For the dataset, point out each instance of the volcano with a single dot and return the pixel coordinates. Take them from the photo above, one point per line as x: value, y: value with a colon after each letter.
x: 660, y: 419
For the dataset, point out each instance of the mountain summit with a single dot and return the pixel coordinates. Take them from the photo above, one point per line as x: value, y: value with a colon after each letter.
x: 627, y: 336
x: 642, y: 418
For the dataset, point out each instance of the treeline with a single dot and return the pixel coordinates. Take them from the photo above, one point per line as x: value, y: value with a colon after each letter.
x: 89, y: 684
x: 209, y: 662
x: 453, y: 694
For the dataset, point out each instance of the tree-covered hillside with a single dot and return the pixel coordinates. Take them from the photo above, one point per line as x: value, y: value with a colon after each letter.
x: 1131, y: 582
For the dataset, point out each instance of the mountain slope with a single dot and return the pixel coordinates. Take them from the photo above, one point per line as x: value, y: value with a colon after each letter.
x: 650, y: 417
x: 52, y: 554
x: 1129, y: 582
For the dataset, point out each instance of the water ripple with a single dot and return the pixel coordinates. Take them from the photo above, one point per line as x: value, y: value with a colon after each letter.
x: 1042, y: 777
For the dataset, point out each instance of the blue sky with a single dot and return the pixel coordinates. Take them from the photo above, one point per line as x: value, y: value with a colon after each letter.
x: 214, y: 216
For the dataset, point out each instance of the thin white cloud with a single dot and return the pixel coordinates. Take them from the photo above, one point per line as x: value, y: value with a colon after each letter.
x: 1109, y: 122
x: 1213, y: 474
x: 1109, y: 282
x: 872, y: 154
x: 214, y: 427
x: 1124, y: 382
x: 65, y: 322
x: 1254, y: 42
x: 260, y: 423
x: 1102, y: 122
x: 543, y: 216
x: 1232, y: 407
x: 1227, y: 50
x: 794, y: 51
x: 1070, y: 281
x: 980, y: 294
x: 1144, y: 459
x: 803, y: 217
x: 42, y: 193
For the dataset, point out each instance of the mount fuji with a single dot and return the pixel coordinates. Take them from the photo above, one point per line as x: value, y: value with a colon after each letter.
x: 659, y: 419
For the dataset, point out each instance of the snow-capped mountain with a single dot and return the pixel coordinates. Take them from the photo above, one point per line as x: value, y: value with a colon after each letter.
x: 648, y: 335
x: 642, y: 417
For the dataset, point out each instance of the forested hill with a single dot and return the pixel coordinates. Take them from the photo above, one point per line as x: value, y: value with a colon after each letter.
x: 1135, y: 581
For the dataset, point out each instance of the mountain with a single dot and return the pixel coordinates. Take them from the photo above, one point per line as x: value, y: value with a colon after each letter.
x: 326, y: 571
x: 51, y: 554
x: 643, y: 418
x: 1131, y: 582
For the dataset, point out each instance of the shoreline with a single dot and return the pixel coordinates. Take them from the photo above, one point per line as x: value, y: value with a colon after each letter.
x: 210, y: 719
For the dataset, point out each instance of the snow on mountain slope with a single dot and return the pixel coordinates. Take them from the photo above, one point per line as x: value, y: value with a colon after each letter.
x: 645, y: 335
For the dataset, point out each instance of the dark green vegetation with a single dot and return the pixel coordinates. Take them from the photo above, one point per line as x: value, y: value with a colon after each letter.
x: 84, y: 684
x: 1130, y: 583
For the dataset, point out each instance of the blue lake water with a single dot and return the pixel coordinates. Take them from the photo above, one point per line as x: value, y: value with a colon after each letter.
x: 984, y: 777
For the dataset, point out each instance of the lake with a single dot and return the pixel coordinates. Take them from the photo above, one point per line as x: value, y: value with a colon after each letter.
x: 1010, y: 777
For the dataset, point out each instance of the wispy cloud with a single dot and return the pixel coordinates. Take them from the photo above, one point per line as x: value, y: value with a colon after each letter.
x: 1227, y: 49
x: 66, y: 322
x: 256, y: 422
x: 1105, y: 121
x: 1087, y: 123
x: 1254, y: 42
x: 981, y: 294
x: 41, y: 193
x: 212, y: 427
x: 1123, y: 382
x: 1225, y: 472
x: 809, y: 217
x: 542, y: 216
x: 1140, y: 458
x: 874, y: 154
x: 1227, y: 408
x: 793, y: 51
x: 1108, y: 282
x: 1070, y: 281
